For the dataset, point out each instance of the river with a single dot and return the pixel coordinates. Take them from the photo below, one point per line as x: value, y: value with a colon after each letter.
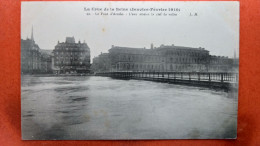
x: 91, y: 107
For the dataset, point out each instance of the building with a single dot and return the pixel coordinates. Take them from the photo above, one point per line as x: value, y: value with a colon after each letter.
x: 46, y: 58
x: 71, y: 57
x: 134, y: 59
x: 163, y: 58
x: 179, y: 58
x: 101, y: 63
x: 30, y: 56
x: 33, y: 59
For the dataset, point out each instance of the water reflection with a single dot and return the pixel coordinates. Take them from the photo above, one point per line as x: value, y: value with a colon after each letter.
x: 102, y: 108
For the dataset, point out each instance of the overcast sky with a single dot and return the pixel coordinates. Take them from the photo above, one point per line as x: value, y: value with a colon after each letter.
x: 216, y: 28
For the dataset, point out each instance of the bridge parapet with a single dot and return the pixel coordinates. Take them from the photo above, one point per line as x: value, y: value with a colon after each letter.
x: 211, y: 79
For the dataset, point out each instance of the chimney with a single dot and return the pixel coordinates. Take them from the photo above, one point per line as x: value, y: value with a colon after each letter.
x: 70, y: 40
x: 151, y: 45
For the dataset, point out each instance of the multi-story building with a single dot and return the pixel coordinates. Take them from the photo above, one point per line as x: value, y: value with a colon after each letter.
x: 220, y: 63
x: 134, y: 59
x: 30, y: 56
x: 33, y: 59
x: 179, y: 58
x: 71, y: 57
x: 163, y: 58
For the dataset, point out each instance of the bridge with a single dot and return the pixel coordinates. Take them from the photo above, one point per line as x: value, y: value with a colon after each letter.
x: 220, y: 80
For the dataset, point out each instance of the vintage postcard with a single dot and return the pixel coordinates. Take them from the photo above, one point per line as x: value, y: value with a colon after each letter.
x: 129, y: 70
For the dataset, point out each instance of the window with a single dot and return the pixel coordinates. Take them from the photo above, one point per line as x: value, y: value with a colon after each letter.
x: 171, y: 59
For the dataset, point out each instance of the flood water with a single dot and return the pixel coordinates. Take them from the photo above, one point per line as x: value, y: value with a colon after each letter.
x: 103, y: 108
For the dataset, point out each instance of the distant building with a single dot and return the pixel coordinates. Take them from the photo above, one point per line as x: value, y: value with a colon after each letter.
x: 179, y: 58
x: 101, y: 63
x: 163, y: 58
x: 220, y: 63
x: 30, y: 56
x: 46, y: 58
x: 71, y: 57
x: 134, y: 59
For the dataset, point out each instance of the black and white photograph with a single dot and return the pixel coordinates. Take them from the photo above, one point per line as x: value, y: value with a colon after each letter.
x: 129, y: 70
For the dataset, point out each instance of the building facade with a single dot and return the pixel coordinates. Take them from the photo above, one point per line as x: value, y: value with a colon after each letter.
x: 134, y: 59
x: 33, y: 60
x: 71, y: 57
x: 179, y: 58
x: 30, y: 57
x: 163, y: 58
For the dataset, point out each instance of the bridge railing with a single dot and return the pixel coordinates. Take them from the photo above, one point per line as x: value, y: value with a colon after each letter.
x: 197, y: 76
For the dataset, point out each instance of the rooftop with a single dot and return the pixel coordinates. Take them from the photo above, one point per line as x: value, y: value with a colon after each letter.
x: 161, y: 47
x: 179, y: 47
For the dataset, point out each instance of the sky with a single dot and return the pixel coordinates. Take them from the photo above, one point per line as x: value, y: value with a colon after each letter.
x: 215, y: 28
